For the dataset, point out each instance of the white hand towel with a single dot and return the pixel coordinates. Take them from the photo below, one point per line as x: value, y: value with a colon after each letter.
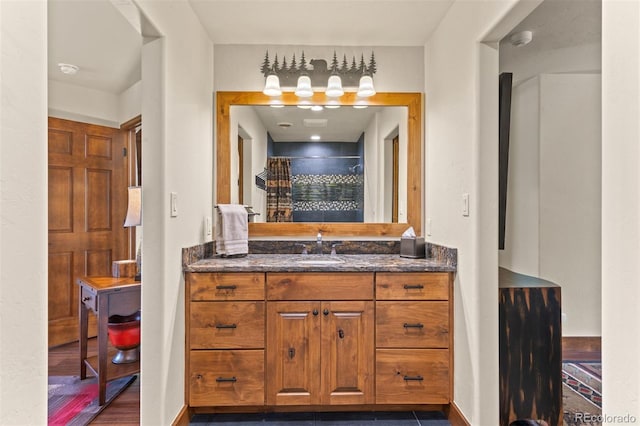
x: 232, y: 230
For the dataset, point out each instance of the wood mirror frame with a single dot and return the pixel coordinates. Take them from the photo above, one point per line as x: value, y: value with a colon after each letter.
x: 413, y: 102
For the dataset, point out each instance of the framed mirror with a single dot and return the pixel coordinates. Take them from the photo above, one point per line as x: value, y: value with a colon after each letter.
x: 410, y: 168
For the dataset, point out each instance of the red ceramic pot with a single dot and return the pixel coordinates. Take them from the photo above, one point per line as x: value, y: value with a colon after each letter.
x: 125, y: 335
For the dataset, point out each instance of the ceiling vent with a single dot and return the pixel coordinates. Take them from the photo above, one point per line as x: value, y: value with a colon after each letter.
x: 285, y: 124
x: 315, y: 122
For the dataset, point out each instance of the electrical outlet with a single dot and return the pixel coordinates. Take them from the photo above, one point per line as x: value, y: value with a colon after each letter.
x: 208, y: 227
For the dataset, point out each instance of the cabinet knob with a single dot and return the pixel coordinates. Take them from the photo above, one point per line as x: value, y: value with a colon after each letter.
x: 341, y: 333
x: 325, y: 312
x: 315, y: 312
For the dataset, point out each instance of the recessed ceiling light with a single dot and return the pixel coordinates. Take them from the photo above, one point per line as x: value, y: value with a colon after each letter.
x: 69, y: 69
x: 315, y: 137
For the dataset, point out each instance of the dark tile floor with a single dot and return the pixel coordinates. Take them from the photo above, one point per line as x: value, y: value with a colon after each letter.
x: 404, y: 418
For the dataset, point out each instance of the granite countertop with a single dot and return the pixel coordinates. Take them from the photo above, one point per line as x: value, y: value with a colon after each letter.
x: 319, y: 263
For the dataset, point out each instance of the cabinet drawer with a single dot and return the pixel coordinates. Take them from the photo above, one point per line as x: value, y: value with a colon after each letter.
x: 412, y: 286
x: 227, y: 325
x: 89, y: 299
x: 320, y: 286
x: 412, y: 376
x: 226, y: 378
x: 226, y: 286
x: 412, y: 324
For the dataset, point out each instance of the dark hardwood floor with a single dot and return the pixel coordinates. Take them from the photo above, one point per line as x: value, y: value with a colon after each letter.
x: 124, y: 410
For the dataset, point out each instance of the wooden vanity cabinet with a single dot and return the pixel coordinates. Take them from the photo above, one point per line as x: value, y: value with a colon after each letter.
x: 413, y: 339
x: 225, y: 339
x: 320, y: 352
x: 319, y: 339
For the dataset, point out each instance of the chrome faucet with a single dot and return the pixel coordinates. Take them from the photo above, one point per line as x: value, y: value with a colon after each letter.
x: 319, y: 243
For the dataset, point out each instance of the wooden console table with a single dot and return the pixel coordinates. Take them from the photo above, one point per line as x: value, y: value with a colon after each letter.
x: 105, y: 296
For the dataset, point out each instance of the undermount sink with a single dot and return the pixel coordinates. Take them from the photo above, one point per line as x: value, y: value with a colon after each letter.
x: 319, y: 261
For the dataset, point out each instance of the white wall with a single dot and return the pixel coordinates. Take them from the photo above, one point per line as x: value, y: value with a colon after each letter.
x: 130, y: 103
x: 620, y: 208
x: 521, y: 248
x: 569, y: 209
x: 177, y: 115
x: 93, y: 106
x: 462, y: 157
x: 256, y: 136
x: 82, y: 104
x: 23, y: 213
x: 553, y: 198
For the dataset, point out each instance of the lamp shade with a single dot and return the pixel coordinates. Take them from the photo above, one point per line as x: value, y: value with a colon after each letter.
x: 272, y: 86
x: 334, y: 87
x: 134, y: 207
x: 366, y: 87
x: 303, y: 89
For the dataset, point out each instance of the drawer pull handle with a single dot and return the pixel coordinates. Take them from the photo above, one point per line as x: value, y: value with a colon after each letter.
x: 86, y: 298
x: 413, y: 378
x: 418, y: 325
x: 226, y: 287
x: 226, y: 379
x: 226, y: 326
x: 413, y: 287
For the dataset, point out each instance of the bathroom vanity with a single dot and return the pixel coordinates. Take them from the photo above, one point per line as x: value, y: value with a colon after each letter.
x: 281, y: 332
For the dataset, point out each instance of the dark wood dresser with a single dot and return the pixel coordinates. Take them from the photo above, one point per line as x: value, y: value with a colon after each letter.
x: 530, y: 349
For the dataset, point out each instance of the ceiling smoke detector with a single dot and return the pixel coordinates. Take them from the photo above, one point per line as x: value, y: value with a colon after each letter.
x: 69, y: 69
x: 521, y: 38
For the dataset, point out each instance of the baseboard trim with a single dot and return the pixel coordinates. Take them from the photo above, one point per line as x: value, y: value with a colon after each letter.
x: 584, y: 348
x: 455, y: 416
x: 183, y: 418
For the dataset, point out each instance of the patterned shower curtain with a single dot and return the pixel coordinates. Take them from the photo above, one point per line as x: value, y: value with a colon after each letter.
x: 279, y: 201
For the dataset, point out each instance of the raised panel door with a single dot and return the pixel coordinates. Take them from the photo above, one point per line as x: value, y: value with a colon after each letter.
x: 347, y: 353
x: 293, y: 353
x: 87, y: 206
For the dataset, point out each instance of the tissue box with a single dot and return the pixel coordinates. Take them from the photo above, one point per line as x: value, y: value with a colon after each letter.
x: 412, y: 247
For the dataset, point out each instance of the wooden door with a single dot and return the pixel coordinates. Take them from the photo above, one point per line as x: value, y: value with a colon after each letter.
x: 347, y: 353
x: 87, y: 206
x: 293, y: 353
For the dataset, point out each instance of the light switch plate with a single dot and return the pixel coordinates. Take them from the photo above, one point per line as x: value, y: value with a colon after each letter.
x: 174, y: 204
x: 465, y: 204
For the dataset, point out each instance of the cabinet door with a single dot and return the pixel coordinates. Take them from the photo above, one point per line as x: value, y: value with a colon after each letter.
x: 347, y: 353
x: 293, y: 353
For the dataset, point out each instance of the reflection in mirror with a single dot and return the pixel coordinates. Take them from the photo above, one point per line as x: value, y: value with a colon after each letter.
x: 226, y: 179
x: 346, y: 164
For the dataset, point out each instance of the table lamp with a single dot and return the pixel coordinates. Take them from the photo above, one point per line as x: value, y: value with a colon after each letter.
x: 134, y: 218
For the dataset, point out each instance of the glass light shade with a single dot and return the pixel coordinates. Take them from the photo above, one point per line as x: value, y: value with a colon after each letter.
x: 332, y: 104
x: 272, y: 86
x: 334, y: 87
x: 303, y: 89
x: 366, y: 87
x: 317, y: 108
x: 134, y: 207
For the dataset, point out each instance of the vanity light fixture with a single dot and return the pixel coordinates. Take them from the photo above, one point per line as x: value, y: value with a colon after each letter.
x: 304, y: 78
x: 315, y: 137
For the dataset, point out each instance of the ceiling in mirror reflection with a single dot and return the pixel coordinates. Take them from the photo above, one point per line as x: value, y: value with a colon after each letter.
x: 293, y: 124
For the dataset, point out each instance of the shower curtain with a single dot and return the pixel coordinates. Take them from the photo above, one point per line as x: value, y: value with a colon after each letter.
x: 279, y: 201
